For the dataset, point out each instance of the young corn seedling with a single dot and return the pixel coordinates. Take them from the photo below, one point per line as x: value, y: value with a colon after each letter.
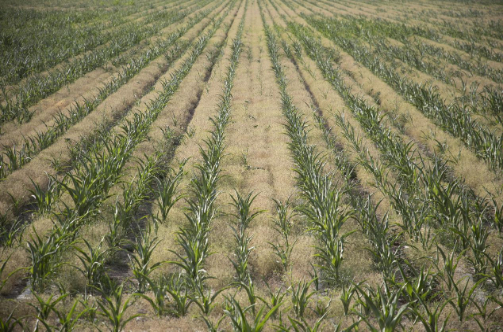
x: 283, y: 225
x: 463, y: 296
x: 378, y: 233
x: 498, y: 215
x: 431, y: 317
x: 485, y: 311
x: 45, y: 199
x: 300, y: 297
x: 495, y: 267
x: 135, y: 192
x: 4, y: 279
x: 383, y: 305
x: 478, y: 246
x: 242, y: 254
x: 9, y: 324
x: 113, y: 305
x: 141, y: 260
x: 159, y: 302
x: 196, y: 250
x: 205, y: 300
x: 275, y: 298
x: 303, y: 326
x: 347, y: 295
x: 321, y: 308
x: 11, y: 231
x: 249, y: 288
x: 178, y: 287
x: 68, y: 321
x: 45, y: 255
x: 93, y: 262
x: 243, y: 216
x: 447, y: 265
x: 117, y: 229
x: 240, y: 321
x: 213, y: 327
x: 419, y: 285
x: 44, y: 308
x: 167, y: 193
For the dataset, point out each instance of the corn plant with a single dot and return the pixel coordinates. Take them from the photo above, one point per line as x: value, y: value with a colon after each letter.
x: 463, y: 296
x: 45, y: 198
x: 196, y: 250
x: 178, y: 287
x: 113, y: 306
x: 84, y: 189
x: 478, y: 246
x: 275, y: 298
x: 419, y: 285
x: 167, y: 193
x: 9, y: 324
x: 135, y: 192
x: 213, y: 327
x: 44, y: 255
x: 115, y: 236
x: 495, y: 267
x: 242, y: 254
x: 4, y: 279
x: 93, y: 262
x: 484, y: 313
x: 249, y: 288
x: 45, y: 307
x: 159, y: 302
x: 283, y: 225
x: 347, y: 295
x: 303, y: 326
x: 205, y: 300
x: 384, y: 306
x: 239, y: 320
x: 11, y: 231
x: 447, y: 265
x: 243, y: 217
x: 498, y: 215
x: 69, y: 320
x: 430, y: 317
x: 141, y: 260
x: 300, y: 297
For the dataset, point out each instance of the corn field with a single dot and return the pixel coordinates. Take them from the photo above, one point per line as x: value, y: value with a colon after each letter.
x: 251, y: 165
